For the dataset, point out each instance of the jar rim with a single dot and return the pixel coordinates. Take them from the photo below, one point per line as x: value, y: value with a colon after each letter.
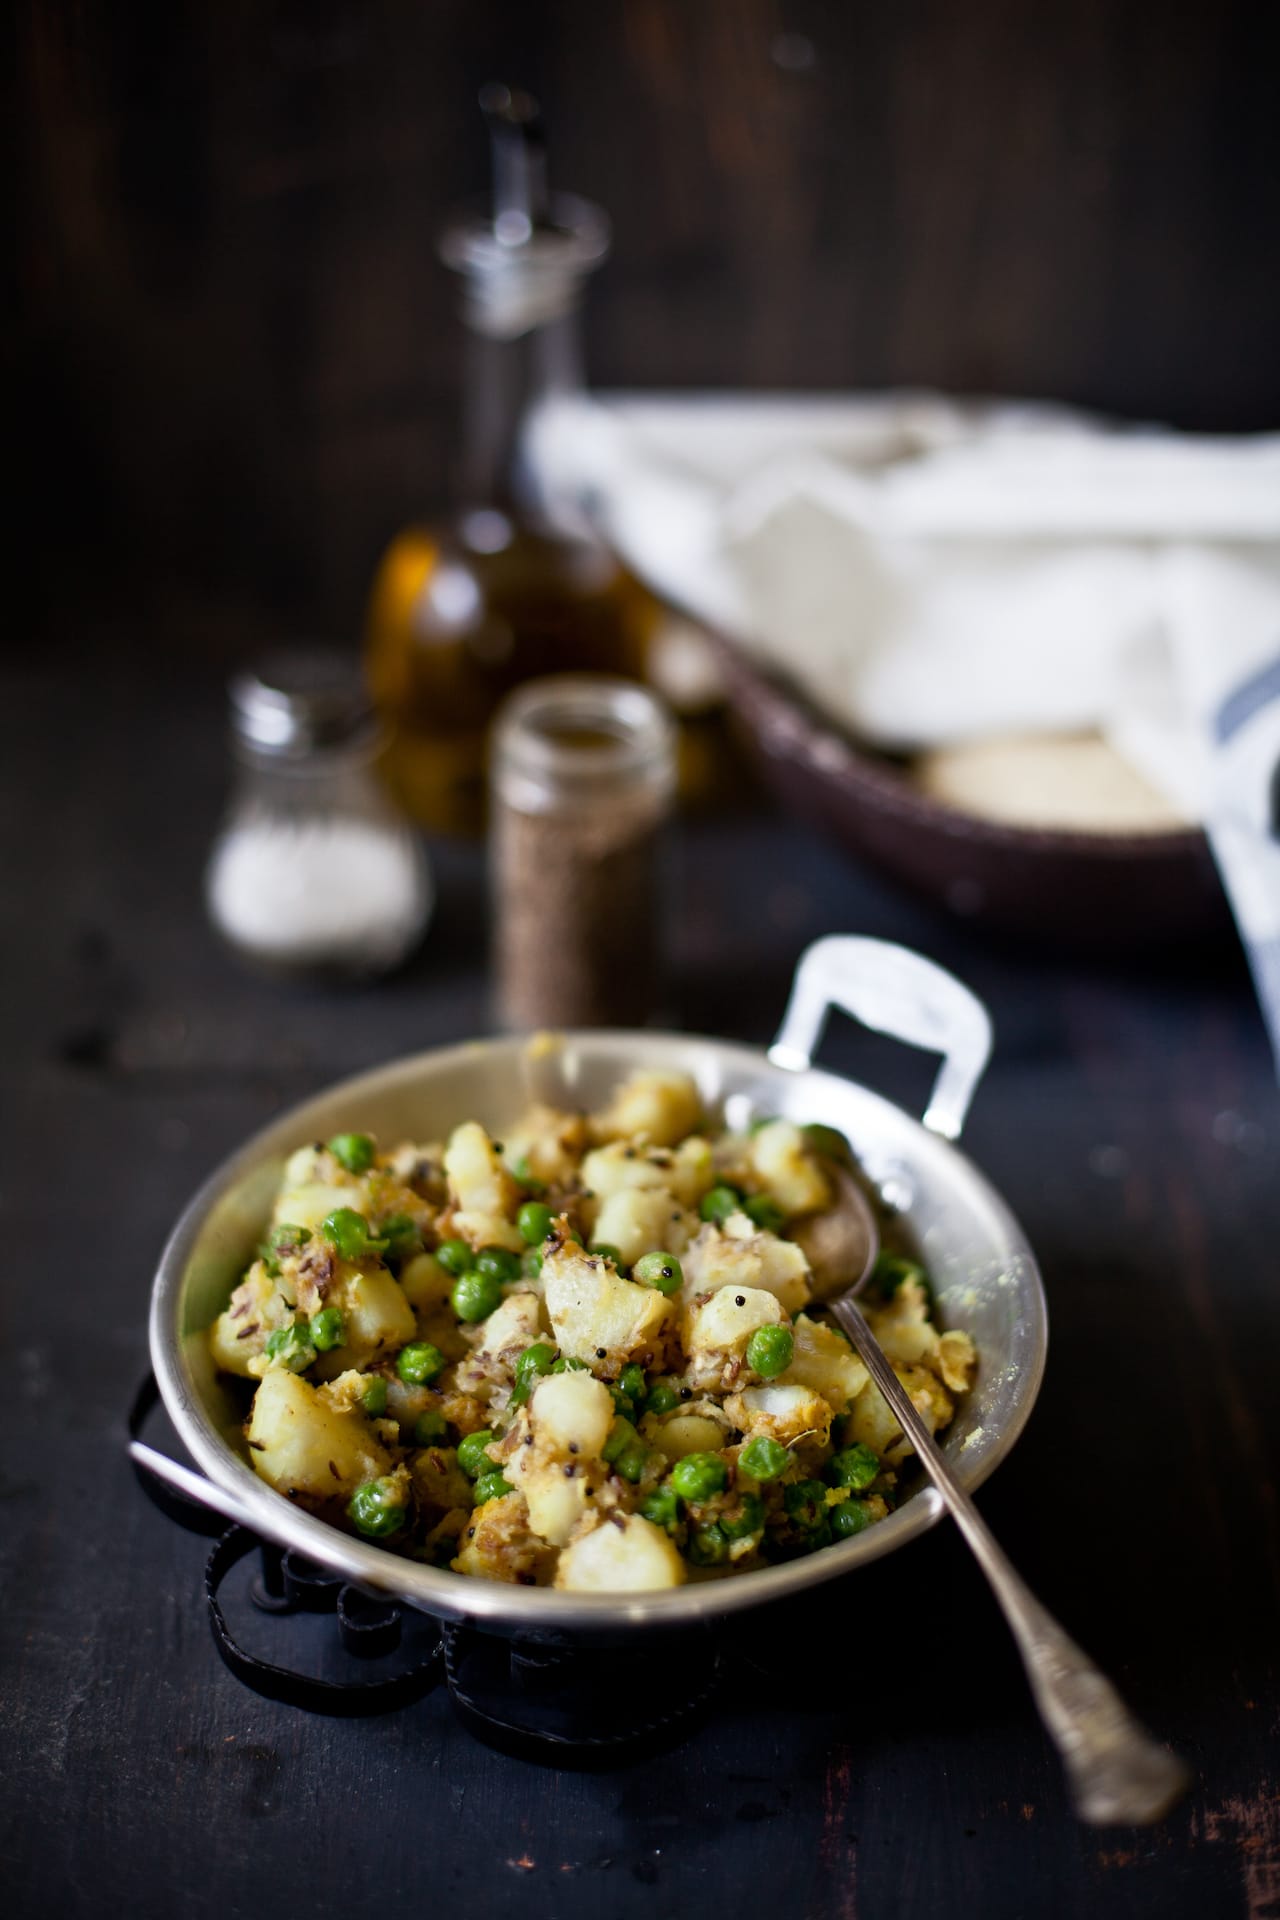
x: 545, y: 729
x: 299, y: 702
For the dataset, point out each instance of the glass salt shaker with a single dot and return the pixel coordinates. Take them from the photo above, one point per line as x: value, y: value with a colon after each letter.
x: 583, y: 775
x: 313, y: 871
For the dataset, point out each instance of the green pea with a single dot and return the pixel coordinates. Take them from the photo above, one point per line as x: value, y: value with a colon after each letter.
x: 745, y: 1519
x: 374, y: 1397
x: 855, y: 1467
x: 354, y: 1150
x: 491, y: 1486
x: 717, y: 1205
x: 537, y: 1359
x: 764, y: 1210
x: 475, y: 1295
x: 806, y: 1502
x: 708, y: 1546
x: 662, y: 1399
x: 567, y: 1364
x: 327, y: 1329
x: 764, y: 1458
x: 659, y: 1270
x: 419, y: 1363
x: 532, y: 1364
x: 534, y: 1221
x: 376, y: 1509
x: 699, y: 1476
x: 632, y: 1381
x: 430, y: 1428
x: 662, y: 1507
x: 402, y: 1236
x: 531, y: 1263
x: 349, y: 1232
x: 770, y: 1351
x: 498, y: 1262
x: 287, y: 1238
x: 621, y: 1436
x: 631, y: 1462
x: 826, y: 1141
x: 848, y: 1518
x: 524, y: 1174
x: 292, y: 1346
x: 454, y: 1256
x: 473, y: 1453
x: 603, y: 1251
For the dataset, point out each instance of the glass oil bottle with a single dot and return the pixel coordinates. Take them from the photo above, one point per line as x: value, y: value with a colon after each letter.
x: 463, y: 612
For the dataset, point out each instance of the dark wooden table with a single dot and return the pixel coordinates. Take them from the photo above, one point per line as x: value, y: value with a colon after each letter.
x: 876, y: 1754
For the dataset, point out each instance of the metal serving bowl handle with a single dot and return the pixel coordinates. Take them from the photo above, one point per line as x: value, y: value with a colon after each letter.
x: 894, y: 991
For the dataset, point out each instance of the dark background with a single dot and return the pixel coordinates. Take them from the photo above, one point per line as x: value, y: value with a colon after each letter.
x: 235, y: 360
x: 236, y: 353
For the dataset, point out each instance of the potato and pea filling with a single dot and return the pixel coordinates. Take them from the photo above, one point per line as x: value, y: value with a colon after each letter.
x: 587, y: 1356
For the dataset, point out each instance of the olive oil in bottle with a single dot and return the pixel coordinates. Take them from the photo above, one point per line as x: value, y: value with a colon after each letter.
x: 500, y: 592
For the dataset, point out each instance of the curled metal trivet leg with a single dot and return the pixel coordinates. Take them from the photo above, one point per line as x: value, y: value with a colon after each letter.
x: 349, y: 1699
x: 555, y: 1704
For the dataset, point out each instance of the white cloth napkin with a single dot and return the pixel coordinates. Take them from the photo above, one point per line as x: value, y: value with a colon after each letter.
x: 931, y: 571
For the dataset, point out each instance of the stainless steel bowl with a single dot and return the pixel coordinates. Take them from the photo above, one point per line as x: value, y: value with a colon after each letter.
x: 983, y: 1271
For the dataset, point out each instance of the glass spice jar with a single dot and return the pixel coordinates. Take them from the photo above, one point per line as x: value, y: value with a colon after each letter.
x: 583, y: 776
x: 313, y: 871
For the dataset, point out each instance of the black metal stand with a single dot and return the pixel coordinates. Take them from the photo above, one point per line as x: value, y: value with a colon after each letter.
x: 540, y: 1698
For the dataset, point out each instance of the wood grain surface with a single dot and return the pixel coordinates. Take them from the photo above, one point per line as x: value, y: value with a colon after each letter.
x: 236, y: 352
x: 875, y: 1753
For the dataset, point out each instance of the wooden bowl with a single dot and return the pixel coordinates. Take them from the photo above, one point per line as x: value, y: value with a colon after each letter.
x: 1088, y: 890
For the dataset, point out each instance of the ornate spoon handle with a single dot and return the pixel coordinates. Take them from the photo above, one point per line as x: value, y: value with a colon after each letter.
x: 1118, y: 1775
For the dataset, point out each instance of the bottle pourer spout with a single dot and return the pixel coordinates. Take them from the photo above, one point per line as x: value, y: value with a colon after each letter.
x: 520, y: 200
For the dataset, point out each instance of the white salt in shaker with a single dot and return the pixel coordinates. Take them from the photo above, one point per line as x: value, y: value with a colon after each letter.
x: 313, y: 870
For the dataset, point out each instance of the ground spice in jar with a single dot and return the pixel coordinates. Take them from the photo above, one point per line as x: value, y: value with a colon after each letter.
x: 583, y: 776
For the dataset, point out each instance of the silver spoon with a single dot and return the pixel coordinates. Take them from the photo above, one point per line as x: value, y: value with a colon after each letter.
x: 1117, y: 1774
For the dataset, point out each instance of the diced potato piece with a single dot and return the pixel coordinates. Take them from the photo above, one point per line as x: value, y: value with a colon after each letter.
x: 874, y: 1422
x: 622, y: 1166
x: 238, y: 1336
x: 692, y: 1172
x: 784, y: 1164
x: 662, y: 1106
x: 681, y: 1433
x: 825, y: 1362
x: 643, y: 1220
x: 308, y: 1206
x: 510, y: 1328
x: 556, y: 1500
x: 957, y: 1360
x: 313, y: 1165
x: 376, y: 1319
x: 498, y: 1544
x: 425, y: 1283
x: 790, y: 1414
x: 571, y: 1412
x: 482, y: 1190
x: 513, y: 1326
x: 626, y: 1554
x: 741, y: 1256
x: 908, y: 1343
x: 716, y: 1333
x: 599, y: 1317
x: 301, y: 1445
x: 549, y: 1143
